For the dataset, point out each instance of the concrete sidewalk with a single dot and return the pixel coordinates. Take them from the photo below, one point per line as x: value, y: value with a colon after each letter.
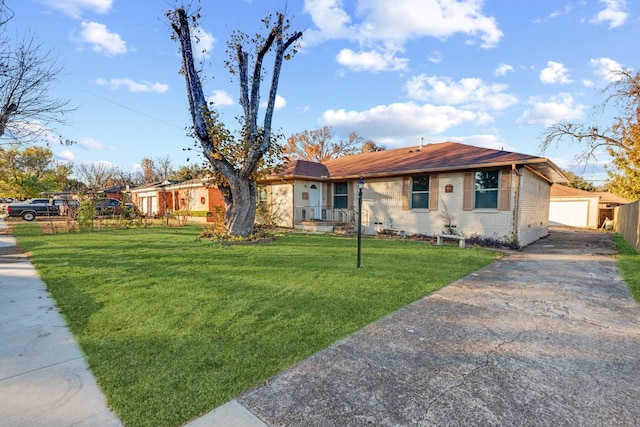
x: 44, y: 378
x: 548, y: 336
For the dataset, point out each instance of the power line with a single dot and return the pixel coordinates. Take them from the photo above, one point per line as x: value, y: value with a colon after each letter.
x: 149, y: 116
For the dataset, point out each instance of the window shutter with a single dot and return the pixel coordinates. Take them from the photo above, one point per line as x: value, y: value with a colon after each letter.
x: 406, y: 189
x: 504, y: 197
x: 433, y: 193
x: 468, y: 191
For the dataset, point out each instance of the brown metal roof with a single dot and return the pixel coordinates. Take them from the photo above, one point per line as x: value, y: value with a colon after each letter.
x: 446, y: 156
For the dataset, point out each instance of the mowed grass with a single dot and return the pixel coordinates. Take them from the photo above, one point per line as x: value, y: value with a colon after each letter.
x: 174, y: 326
x: 629, y: 265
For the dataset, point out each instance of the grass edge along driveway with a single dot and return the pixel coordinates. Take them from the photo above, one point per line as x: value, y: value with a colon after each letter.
x: 174, y: 326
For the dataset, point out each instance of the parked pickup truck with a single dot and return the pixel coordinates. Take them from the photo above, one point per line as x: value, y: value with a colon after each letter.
x: 31, y: 208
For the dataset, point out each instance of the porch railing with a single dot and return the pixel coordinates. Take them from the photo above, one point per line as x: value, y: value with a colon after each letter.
x: 329, y: 214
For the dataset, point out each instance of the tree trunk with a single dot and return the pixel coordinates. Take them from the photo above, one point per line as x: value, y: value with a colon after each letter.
x: 241, y: 208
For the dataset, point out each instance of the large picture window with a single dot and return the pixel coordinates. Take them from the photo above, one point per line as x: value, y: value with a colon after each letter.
x: 420, y: 192
x: 341, y: 195
x: 486, y: 190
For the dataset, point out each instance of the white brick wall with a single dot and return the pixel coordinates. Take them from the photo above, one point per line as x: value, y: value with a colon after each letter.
x: 382, y: 205
x: 382, y: 208
x: 533, y: 216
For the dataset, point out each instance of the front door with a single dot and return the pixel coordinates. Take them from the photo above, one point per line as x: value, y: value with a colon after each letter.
x: 314, y: 202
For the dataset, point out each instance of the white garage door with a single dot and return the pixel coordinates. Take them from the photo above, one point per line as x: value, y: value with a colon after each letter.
x: 571, y: 213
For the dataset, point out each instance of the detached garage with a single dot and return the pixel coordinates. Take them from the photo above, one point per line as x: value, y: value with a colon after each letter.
x: 572, y: 207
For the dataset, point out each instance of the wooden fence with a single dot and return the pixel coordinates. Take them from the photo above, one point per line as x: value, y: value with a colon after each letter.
x: 627, y: 223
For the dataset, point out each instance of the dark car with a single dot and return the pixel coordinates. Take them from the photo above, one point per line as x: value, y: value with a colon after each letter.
x: 114, y: 207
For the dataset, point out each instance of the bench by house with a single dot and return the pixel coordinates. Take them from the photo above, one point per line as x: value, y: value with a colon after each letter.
x: 460, y: 239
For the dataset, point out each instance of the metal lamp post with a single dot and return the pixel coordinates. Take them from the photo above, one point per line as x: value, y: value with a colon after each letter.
x: 360, y: 187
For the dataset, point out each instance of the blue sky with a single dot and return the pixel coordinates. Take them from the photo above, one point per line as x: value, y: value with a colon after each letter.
x: 490, y: 73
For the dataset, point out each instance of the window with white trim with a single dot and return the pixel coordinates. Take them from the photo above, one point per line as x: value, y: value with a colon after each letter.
x: 420, y: 192
x: 486, y: 190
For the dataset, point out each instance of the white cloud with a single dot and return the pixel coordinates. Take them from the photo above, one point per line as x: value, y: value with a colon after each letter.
x: 280, y: 103
x: 133, y: 86
x: 202, y: 42
x: 371, y: 61
x: 74, y: 8
x: 502, y: 70
x: 485, y: 140
x: 615, y: 13
x: 546, y: 113
x: 435, y: 57
x: 381, y: 31
x: 555, y: 72
x: 91, y: 144
x: 397, y: 120
x: 220, y: 98
x: 101, y: 40
x: 468, y: 92
x: 65, y: 155
x: 606, y: 68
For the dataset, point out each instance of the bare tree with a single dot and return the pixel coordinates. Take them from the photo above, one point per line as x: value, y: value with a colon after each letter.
x: 27, y: 71
x: 95, y: 175
x: 620, y: 140
x: 320, y: 145
x: 236, y: 162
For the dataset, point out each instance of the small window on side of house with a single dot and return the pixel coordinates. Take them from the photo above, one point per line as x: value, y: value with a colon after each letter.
x: 486, y: 190
x: 420, y: 192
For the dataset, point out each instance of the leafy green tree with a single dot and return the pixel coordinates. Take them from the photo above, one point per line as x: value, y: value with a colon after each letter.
x: 27, y: 172
x: 237, y: 159
x: 576, y: 181
x: 620, y: 140
x: 192, y: 171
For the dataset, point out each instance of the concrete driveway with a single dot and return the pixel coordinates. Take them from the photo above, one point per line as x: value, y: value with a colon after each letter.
x: 549, y: 336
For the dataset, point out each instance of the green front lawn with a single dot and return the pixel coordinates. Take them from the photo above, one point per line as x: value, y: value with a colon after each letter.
x: 628, y: 264
x: 174, y: 326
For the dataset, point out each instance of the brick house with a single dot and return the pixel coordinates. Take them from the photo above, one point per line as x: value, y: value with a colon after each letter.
x: 193, y: 195
x: 422, y: 190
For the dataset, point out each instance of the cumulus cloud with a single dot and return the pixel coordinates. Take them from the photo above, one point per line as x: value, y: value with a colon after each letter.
x: 606, y: 68
x: 546, y: 113
x: 502, y: 70
x: 471, y: 93
x: 382, y: 31
x: 100, y: 39
x: 135, y: 87
x: 202, y: 42
x: 74, y: 8
x: 482, y: 140
x: 398, y: 120
x: 615, y: 13
x: 555, y: 72
x: 220, y: 98
x: 374, y: 61
x: 65, y: 155
x: 280, y: 103
x: 91, y: 144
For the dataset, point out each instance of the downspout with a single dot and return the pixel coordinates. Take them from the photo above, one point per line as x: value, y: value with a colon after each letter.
x: 516, y: 204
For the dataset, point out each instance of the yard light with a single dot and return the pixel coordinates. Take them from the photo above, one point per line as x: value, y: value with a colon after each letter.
x: 360, y: 187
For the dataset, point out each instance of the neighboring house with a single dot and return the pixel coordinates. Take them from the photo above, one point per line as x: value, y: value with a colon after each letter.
x: 158, y: 197
x: 420, y: 190
x: 573, y: 207
x: 578, y: 208
x: 608, y: 203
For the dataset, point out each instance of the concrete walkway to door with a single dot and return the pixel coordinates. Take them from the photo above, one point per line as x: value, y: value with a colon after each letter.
x: 546, y: 336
